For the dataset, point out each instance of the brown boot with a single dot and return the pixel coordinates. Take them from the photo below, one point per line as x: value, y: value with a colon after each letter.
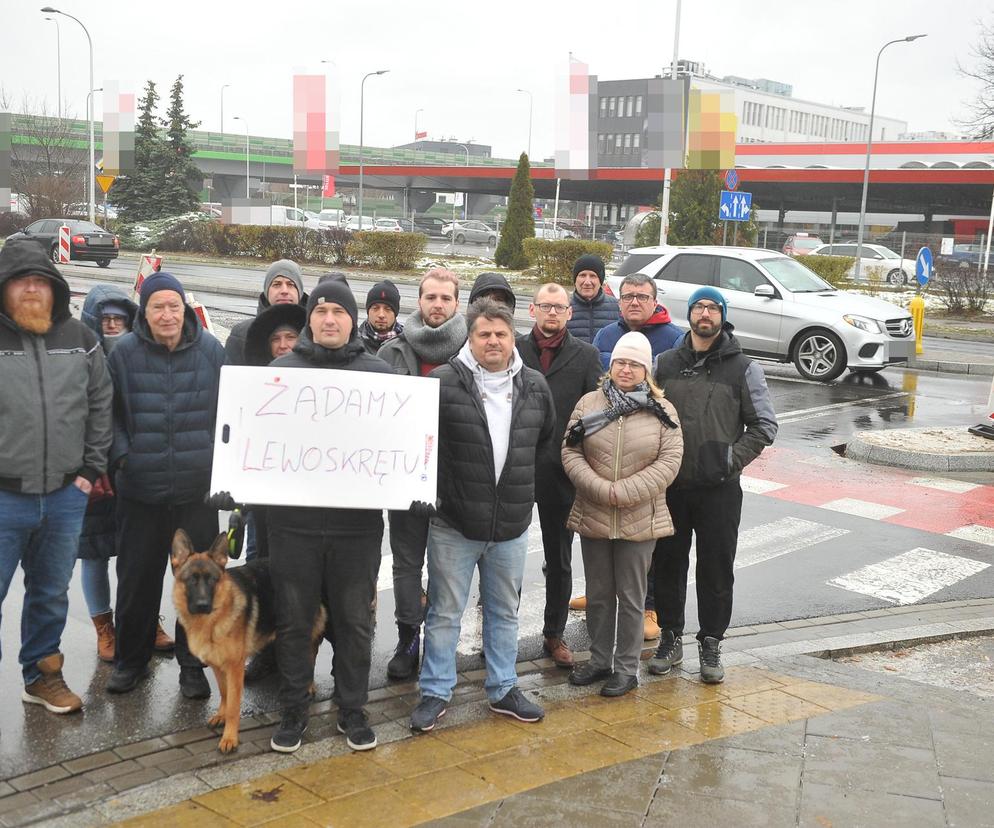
x: 163, y: 643
x: 559, y: 652
x: 105, y: 635
x: 50, y: 690
x: 579, y: 603
x: 651, y: 626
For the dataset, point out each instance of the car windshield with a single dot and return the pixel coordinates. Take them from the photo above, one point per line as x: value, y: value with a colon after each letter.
x: 806, y: 244
x: 636, y: 261
x: 794, y: 276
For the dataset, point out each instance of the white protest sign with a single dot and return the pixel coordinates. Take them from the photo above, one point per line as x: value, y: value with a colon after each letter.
x: 321, y: 437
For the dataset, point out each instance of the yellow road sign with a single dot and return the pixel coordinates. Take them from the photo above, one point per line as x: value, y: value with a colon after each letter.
x: 104, y: 182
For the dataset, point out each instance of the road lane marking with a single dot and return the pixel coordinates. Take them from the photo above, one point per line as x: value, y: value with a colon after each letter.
x: 975, y: 533
x: 756, y: 485
x: 861, y: 508
x: 944, y: 484
x: 909, y: 577
x: 822, y: 410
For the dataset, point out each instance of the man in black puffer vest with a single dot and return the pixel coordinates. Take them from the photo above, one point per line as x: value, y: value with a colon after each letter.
x: 326, y: 552
x: 166, y: 374
x: 495, y: 417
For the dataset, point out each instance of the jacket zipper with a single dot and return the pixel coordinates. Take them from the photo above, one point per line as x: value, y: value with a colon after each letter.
x: 44, y: 416
x: 617, y: 471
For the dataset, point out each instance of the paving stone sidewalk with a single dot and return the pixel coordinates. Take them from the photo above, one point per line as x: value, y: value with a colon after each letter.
x: 920, y: 755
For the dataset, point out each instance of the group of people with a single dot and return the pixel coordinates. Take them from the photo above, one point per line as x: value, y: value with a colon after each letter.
x: 619, y: 427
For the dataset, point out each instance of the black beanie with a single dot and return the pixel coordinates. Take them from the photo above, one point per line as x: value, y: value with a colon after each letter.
x: 333, y: 290
x: 589, y: 262
x: 385, y: 292
x: 492, y: 282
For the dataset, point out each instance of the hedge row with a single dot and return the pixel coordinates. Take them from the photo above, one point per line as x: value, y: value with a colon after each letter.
x: 554, y: 257
x: 833, y: 269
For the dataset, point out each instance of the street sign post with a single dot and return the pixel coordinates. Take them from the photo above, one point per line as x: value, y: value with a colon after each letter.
x: 731, y: 179
x: 923, y: 266
x: 735, y: 206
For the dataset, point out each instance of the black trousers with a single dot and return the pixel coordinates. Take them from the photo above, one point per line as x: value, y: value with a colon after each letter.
x: 557, y: 542
x: 307, y: 568
x: 144, y: 541
x: 712, y: 514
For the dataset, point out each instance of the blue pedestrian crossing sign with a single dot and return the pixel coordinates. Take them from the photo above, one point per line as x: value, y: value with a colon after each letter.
x: 923, y: 266
x: 735, y: 206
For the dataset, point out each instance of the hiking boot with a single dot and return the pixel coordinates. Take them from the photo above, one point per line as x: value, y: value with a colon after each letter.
x: 668, y: 654
x: 355, y: 725
x: 650, y: 628
x: 262, y: 664
x: 558, y: 652
x: 163, y: 643
x: 516, y: 704
x: 588, y: 674
x: 193, y: 683
x: 104, y: 624
x: 619, y: 684
x: 579, y: 603
x: 426, y: 715
x: 50, y: 690
x: 710, y: 652
x: 286, y: 737
x: 124, y: 680
x: 404, y: 663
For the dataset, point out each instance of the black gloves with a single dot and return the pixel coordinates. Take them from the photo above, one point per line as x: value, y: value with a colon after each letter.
x: 575, y: 433
x: 222, y: 501
x: 422, y: 509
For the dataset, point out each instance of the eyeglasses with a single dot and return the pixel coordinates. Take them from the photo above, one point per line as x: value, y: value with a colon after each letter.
x: 642, y: 298
x: 549, y: 307
x: 627, y: 363
x: 701, y: 308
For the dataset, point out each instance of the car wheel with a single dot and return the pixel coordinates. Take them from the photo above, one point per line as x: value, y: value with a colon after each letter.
x: 53, y: 254
x: 103, y: 262
x: 896, y: 277
x: 819, y: 355
x: 460, y: 239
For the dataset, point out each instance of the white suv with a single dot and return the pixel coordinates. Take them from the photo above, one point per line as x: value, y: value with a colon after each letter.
x: 781, y: 310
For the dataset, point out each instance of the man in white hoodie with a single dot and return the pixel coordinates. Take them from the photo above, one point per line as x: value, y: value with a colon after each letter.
x: 495, y: 416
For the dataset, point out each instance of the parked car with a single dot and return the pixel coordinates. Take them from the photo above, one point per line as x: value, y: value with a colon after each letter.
x: 353, y: 223
x: 800, y: 244
x: 472, y: 231
x: 331, y: 218
x: 387, y: 225
x: 283, y: 216
x: 545, y: 230
x: 781, y: 310
x: 878, y: 263
x: 429, y: 225
x: 87, y: 241
x: 964, y: 256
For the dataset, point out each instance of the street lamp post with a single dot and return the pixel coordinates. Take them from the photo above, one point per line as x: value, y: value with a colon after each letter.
x: 58, y: 58
x: 93, y: 160
x: 531, y: 100
x: 362, y: 103
x: 225, y: 86
x: 869, y: 145
x: 240, y: 118
x: 465, y: 196
x: 664, y: 205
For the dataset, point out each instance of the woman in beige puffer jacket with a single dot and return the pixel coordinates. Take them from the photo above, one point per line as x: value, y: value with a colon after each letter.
x: 623, y: 448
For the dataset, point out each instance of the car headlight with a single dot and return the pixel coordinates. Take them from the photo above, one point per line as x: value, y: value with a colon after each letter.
x: 864, y: 324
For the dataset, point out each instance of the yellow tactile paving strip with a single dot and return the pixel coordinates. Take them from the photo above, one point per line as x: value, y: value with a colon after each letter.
x: 457, y: 768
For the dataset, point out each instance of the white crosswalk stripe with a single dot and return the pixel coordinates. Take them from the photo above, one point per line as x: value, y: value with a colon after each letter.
x: 909, y: 577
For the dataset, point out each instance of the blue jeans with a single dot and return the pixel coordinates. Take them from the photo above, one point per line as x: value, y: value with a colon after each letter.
x: 95, y: 578
x: 451, y: 561
x: 41, y: 533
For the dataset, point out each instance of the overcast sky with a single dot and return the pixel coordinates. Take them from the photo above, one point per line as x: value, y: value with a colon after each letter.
x: 462, y: 61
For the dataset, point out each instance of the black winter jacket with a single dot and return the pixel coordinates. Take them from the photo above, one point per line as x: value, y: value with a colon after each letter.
x: 469, y: 499
x: 165, y: 404
x: 589, y: 316
x: 234, y: 345
x: 724, y: 405
x: 575, y: 371
x: 319, y: 520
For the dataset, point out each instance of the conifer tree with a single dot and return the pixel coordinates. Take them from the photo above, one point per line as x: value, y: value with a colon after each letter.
x: 520, y: 223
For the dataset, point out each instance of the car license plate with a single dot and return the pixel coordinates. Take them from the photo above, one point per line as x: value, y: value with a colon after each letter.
x: 98, y: 241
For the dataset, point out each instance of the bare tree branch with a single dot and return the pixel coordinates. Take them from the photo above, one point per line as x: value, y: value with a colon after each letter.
x: 979, y: 120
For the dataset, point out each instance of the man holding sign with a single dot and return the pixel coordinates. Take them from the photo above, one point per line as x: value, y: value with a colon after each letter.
x: 325, y: 552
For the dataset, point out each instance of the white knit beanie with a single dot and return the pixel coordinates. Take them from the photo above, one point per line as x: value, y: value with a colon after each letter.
x: 635, y: 347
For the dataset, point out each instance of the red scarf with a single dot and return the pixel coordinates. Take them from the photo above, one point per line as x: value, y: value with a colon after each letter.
x: 547, y: 347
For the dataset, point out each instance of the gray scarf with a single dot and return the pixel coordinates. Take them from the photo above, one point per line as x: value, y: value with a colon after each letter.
x: 620, y: 403
x: 435, y: 345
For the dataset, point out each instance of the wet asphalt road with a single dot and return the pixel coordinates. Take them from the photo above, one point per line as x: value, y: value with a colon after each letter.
x: 788, y: 580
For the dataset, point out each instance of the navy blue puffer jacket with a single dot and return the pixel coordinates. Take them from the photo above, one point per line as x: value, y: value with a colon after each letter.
x: 589, y: 316
x: 165, y: 404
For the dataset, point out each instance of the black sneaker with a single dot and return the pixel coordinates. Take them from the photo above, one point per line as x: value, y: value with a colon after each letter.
x: 123, y: 680
x: 286, y: 738
x: 426, y: 715
x: 710, y: 652
x: 588, y: 674
x: 355, y: 725
x: 193, y: 683
x: 668, y: 654
x: 619, y: 685
x: 516, y: 704
x: 404, y: 663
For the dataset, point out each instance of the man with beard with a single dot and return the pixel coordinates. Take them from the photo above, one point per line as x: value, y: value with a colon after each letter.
x: 434, y: 333
x: 728, y: 419
x: 572, y: 368
x: 381, y: 325
x: 55, y: 432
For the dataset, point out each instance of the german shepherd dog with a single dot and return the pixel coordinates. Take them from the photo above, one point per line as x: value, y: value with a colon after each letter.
x: 228, y: 616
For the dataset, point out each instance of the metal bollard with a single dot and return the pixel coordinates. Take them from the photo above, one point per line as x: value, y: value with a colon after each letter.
x: 917, y: 308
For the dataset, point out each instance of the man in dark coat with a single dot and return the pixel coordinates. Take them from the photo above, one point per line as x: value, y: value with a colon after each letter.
x: 166, y: 374
x: 572, y: 368
x: 330, y: 553
x: 54, y: 435
x: 382, y: 308
x: 496, y: 417
x: 593, y: 309
x: 282, y: 284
